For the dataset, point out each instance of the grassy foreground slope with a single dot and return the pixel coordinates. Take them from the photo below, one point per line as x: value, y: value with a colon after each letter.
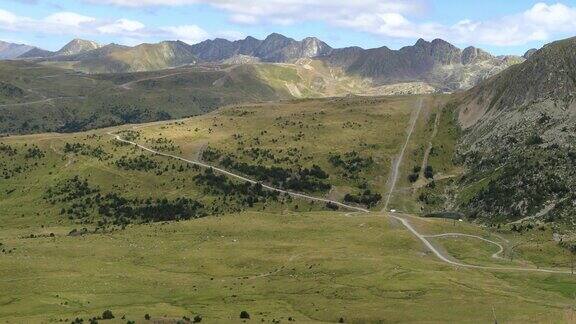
x: 85, y: 225
x: 313, y: 267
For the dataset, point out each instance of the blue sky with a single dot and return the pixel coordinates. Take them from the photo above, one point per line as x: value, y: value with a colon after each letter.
x: 501, y: 27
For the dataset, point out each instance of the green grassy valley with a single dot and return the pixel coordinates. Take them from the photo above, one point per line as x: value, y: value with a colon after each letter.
x: 90, y: 224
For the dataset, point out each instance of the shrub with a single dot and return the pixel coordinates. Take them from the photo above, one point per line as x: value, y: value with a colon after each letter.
x: 429, y: 172
x: 332, y: 206
x: 107, y: 315
x: 535, y: 139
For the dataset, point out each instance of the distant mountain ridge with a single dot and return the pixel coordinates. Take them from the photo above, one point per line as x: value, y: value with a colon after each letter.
x: 274, y: 48
x: 438, y: 63
x: 11, y: 50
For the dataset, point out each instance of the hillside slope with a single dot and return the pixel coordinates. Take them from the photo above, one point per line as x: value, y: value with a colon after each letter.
x: 35, y: 98
x: 520, y: 139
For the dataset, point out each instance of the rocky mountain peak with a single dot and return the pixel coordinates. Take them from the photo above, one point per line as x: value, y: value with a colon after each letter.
x: 275, y: 37
x: 422, y: 43
x: 312, y: 47
x: 78, y: 46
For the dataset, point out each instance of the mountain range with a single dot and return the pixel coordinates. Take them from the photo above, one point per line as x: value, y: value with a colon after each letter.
x: 438, y: 63
x: 274, y: 48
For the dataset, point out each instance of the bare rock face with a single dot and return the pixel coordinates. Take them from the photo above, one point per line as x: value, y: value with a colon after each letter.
x: 313, y: 47
x: 241, y: 59
x: 471, y: 55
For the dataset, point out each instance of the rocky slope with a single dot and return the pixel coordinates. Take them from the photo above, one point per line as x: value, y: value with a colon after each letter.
x: 520, y: 139
x: 78, y: 46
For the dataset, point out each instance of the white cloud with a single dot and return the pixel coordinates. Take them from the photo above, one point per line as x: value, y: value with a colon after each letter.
x: 122, y: 27
x: 144, y: 3
x: 68, y: 19
x: 244, y: 19
x: 230, y: 35
x: 190, y: 34
x: 7, y: 18
x: 556, y: 16
x: 538, y: 23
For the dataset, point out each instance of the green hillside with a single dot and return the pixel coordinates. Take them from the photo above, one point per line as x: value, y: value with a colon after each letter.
x: 37, y: 98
